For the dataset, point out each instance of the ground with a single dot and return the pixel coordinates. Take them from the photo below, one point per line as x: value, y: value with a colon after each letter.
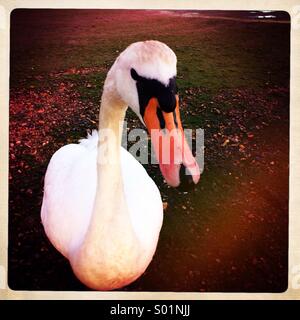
x: 231, y: 232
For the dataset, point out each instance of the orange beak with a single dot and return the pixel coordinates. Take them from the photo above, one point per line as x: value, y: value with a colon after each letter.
x: 176, y: 161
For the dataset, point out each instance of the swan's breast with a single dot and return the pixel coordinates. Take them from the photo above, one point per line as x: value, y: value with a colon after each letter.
x: 143, y: 200
x: 69, y: 193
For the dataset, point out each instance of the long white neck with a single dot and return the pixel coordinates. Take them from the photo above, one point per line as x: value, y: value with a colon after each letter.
x: 109, y: 176
x: 110, y: 246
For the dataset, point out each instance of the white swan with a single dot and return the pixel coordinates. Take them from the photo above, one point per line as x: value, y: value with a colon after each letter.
x: 105, y: 216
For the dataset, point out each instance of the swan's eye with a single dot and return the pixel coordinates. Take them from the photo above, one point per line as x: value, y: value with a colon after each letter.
x: 167, y: 96
x: 151, y: 88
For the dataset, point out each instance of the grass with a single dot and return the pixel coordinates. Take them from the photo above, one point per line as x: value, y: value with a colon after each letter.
x: 213, y: 55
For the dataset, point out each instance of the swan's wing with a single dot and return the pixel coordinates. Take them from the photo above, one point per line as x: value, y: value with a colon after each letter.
x: 143, y: 200
x: 69, y: 191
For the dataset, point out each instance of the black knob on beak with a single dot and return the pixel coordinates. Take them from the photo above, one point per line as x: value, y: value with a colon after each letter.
x: 186, y: 179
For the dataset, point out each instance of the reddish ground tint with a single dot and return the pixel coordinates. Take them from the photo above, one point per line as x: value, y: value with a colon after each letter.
x: 231, y: 232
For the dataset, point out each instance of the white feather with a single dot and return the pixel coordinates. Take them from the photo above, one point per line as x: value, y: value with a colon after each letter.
x: 69, y: 193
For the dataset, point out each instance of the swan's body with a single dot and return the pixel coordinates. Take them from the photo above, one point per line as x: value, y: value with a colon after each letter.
x: 70, y: 189
x: 100, y: 209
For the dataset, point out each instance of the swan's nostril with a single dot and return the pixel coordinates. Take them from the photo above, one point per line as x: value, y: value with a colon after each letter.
x: 186, y: 179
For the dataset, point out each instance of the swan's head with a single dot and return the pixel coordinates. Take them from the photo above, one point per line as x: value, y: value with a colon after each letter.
x: 145, y: 75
